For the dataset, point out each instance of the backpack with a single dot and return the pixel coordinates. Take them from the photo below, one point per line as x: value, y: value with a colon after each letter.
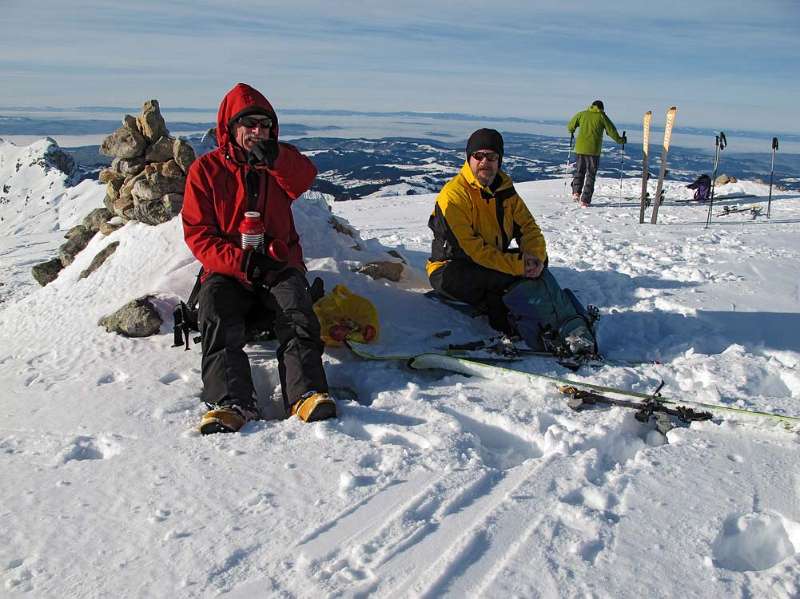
x: 702, y: 187
x: 551, y: 319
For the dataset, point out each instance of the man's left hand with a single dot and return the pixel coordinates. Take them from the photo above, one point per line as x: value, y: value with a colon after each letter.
x: 264, y: 152
x: 533, y: 266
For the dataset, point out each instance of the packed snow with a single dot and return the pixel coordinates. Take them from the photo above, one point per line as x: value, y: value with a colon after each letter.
x: 429, y: 483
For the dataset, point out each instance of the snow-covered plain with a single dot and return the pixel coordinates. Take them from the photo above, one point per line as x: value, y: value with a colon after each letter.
x: 431, y: 484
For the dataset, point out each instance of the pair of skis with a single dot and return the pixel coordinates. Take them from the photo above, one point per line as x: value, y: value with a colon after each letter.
x: 670, y: 121
x: 684, y: 409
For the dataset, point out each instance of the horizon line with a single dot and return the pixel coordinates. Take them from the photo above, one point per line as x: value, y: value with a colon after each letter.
x: 689, y: 129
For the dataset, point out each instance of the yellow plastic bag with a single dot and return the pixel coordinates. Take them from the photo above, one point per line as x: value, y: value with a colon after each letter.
x: 344, y: 315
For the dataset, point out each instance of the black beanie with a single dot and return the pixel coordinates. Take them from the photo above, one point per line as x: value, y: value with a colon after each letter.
x: 485, y: 139
x: 599, y: 104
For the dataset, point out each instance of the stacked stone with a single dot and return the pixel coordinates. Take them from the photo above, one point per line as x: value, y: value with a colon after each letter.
x: 147, y: 176
x: 78, y: 237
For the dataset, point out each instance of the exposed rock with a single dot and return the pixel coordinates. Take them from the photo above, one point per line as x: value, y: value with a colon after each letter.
x: 151, y: 123
x: 160, y: 151
x: 125, y: 199
x: 70, y: 249
x: 47, y: 271
x: 724, y: 179
x: 147, y: 177
x: 95, y: 218
x: 112, y: 190
x: 123, y: 143
x: 157, y: 211
x: 172, y: 170
x: 123, y: 206
x: 75, y: 231
x: 183, y: 153
x: 109, y: 227
x: 397, y: 255
x: 56, y: 158
x: 173, y: 202
x: 127, y: 167
x: 138, y: 318
x: 342, y: 227
x: 100, y: 258
x: 155, y: 186
x: 382, y: 270
x: 109, y: 174
x: 131, y: 123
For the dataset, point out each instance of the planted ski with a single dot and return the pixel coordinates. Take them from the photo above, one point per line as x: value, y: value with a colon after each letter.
x: 664, y: 151
x: 648, y: 116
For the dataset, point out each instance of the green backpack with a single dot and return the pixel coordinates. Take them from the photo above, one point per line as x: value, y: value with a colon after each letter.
x: 551, y: 319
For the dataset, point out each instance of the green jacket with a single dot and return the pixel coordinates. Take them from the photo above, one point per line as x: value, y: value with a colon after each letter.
x: 592, y: 123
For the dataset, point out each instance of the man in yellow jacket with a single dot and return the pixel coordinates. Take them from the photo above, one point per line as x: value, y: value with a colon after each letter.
x: 477, y: 215
x: 592, y: 122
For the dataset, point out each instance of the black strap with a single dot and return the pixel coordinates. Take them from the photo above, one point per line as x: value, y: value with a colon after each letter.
x: 251, y: 180
x: 255, y: 182
x: 500, y: 197
x: 193, y: 296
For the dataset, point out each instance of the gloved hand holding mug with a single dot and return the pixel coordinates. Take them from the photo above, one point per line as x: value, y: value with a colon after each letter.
x: 258, y: 265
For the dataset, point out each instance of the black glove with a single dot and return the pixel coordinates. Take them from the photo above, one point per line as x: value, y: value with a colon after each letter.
x: 264, y: 152
x: 257, y: 265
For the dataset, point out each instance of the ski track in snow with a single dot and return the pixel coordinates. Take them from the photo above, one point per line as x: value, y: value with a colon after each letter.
x: 431, y: 484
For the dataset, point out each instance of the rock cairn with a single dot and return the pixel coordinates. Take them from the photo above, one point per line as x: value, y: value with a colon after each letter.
x: 144, y: 183
x: 146, y: 179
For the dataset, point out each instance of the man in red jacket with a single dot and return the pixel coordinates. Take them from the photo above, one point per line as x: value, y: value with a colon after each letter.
x: 252, y: 171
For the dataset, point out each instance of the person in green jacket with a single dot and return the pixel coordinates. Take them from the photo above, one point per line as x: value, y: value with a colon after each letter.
x: 592, y: 122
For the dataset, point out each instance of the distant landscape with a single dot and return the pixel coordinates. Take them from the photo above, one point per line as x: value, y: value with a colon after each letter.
x: 363, y: 154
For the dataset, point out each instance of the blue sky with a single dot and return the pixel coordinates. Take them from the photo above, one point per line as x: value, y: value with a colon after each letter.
x: 724, y: 64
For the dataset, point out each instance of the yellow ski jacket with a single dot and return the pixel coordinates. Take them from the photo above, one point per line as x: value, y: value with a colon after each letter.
x: 477, y: 223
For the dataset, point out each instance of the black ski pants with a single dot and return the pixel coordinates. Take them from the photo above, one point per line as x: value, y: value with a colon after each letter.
x: 585, y: 174
x: 478, y: 286
x: 226, y: 307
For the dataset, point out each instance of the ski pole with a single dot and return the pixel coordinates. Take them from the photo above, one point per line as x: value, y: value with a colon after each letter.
x: 720, y: 141
x: 569, y: 154
x: 621, y: 165
x: 771, y: 172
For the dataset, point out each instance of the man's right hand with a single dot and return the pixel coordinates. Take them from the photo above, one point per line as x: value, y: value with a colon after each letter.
x: 533, y: 266
x: 257, y: 265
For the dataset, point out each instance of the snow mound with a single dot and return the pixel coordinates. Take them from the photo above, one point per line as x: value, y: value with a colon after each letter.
x: 756, y: 541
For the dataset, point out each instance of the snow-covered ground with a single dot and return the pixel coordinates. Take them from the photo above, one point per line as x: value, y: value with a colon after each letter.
x: 431, y: 484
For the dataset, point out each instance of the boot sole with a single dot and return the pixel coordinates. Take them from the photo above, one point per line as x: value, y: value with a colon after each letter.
x: 214, y: 425
x: 323, y: 411
x: 211, y: 428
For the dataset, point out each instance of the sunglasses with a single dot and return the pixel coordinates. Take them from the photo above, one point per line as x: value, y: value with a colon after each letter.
x: 251, y: 121
x: 490, y: 156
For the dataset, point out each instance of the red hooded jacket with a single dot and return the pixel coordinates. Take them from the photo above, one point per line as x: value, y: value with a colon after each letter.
x: 215, y: 198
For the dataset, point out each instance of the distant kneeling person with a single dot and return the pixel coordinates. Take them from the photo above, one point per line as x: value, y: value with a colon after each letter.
x: 477, y: 215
